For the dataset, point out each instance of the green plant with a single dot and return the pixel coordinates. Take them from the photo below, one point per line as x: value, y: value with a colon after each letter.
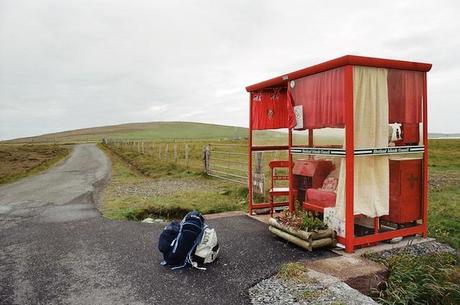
x: 308, y: 294
x: 292, y: 271
x: 301, y: 220
x: 312, y: 223
x: 430, y: 279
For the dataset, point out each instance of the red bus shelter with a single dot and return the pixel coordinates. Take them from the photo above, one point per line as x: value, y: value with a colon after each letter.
x: 381, y: 176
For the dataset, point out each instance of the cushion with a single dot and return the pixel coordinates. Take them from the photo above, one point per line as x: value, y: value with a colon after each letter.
x: 321, y: 197
x: 330, y: 184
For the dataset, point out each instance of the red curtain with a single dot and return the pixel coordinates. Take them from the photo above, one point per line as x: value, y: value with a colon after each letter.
x: 269, y: 109
x: 405, y: 95
x: 322, y: 96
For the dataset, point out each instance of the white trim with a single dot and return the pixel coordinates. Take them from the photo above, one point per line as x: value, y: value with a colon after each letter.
x: 378, y: 151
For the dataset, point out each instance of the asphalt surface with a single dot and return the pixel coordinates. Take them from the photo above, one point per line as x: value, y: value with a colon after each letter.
x: 56, y: 248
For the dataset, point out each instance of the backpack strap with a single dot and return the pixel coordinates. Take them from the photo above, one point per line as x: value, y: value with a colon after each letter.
x: 177, y: 238
x: 180, y: 232
x: 188, y: 258
x: 197, y: 242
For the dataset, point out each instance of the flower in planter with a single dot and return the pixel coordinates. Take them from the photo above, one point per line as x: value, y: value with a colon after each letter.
x: 301, y: 220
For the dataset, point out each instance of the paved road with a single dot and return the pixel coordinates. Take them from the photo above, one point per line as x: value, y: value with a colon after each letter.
x: 55, y: 247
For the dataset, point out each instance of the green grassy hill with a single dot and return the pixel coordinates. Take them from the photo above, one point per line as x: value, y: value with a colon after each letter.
x: 158, y: 131
x: 167, y: 131
x: 147, y: 131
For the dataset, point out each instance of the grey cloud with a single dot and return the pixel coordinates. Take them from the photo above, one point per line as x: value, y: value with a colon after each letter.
x: 81, y: 63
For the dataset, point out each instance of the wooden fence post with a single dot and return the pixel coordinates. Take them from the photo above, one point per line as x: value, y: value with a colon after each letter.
x: 207, y: 158
x: 186, y: 155
x: 175, y: 153
x: 166, y: 152
x: 159, y: 152
x: 142, y: 147
x: 258, y: 174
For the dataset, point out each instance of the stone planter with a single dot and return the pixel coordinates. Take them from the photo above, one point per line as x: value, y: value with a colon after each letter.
x: 304, y: 239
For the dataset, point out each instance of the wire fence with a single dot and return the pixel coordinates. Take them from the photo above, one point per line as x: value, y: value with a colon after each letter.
x: 226, y: 161
x: 186, y: 154
x: 230, y: 162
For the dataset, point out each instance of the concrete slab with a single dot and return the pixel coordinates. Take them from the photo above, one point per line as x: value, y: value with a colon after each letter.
x: 345, y: 267
x: 383, y: 246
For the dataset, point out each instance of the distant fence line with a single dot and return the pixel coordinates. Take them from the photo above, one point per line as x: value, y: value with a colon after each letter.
x: 220, y: 160
x: 179, y: 153
x: 226, y: 161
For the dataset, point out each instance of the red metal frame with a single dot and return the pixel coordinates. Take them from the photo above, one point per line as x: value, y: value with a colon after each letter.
x: 274, y: 177
x: 250, y: 158
x: 291, y: 177
x: 350, y: 240
x: 349, y: 160
x: 252, y: 205
x: 425, y: 158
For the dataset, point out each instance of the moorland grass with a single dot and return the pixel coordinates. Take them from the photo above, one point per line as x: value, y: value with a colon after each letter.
x: 444, y: 194
x: 209, y: 195
x: 19, y: 161
x: 429, y: 279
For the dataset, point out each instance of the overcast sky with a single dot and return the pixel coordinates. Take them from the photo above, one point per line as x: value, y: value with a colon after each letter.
x: 74, y: 64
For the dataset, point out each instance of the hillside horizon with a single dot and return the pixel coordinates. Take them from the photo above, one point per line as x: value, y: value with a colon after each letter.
x: 157, y: 130
x: 142, y: 130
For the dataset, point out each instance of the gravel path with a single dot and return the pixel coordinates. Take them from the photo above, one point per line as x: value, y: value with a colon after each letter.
x: 424, y: 248
x: 314, y: 288
x: 162, y: 186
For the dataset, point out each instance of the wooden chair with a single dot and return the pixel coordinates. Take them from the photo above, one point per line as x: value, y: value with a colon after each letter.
x: 275, y: 189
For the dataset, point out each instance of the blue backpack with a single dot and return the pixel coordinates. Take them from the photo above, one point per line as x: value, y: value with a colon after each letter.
x: 178, y: 240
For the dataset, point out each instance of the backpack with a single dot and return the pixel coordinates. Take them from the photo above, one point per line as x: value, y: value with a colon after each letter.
x: 167, y: 237
x: 178, y: 241
x: 207, y: 250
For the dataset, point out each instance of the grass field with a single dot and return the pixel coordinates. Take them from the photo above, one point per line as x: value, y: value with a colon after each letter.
x: 18, y: 161
x: 444, y: 194
x: 142, y: 187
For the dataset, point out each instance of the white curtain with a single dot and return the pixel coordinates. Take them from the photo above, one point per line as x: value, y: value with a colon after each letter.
x: 371, y: 174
